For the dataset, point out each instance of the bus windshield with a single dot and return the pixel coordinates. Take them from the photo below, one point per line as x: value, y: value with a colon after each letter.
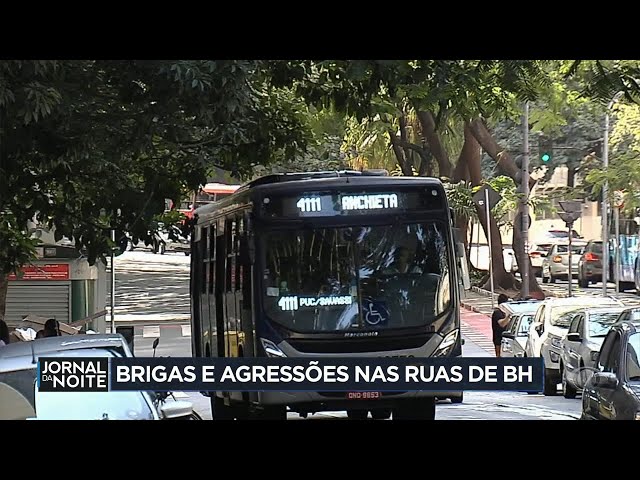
x: 364, y: 277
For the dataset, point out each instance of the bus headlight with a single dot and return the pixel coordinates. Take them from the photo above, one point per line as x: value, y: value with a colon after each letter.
x: 447, y: 344
x: 271, y: 349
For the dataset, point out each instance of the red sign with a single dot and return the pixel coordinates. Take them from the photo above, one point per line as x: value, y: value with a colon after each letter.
x: 44, y: 272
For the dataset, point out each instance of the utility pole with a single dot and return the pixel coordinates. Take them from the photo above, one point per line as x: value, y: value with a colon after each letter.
x: 605, y: 197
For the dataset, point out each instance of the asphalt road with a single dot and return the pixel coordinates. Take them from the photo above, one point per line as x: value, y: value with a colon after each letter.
x: 152, y: 293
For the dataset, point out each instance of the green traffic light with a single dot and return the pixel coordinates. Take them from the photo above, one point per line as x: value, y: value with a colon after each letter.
x: 545, y: 157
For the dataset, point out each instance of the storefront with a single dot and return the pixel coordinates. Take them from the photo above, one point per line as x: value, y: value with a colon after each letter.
x: 60, y: 284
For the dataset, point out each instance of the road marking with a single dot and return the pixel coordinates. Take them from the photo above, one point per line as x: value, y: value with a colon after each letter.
x: 151, y: 331
x: 186, y: 330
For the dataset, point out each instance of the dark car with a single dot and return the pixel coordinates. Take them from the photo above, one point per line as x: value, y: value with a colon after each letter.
x: 613, y: 391
x: 590, y: 264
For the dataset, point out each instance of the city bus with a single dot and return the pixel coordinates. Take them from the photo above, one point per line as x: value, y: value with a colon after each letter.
x: 327, y: 264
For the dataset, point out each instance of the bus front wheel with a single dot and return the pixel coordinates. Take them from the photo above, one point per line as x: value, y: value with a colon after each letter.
x: 416, y: 409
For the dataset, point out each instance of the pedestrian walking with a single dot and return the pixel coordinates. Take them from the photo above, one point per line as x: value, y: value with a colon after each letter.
x: 499, y: 323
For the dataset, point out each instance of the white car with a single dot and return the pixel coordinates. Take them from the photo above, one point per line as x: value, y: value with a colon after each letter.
x: 550, y: 326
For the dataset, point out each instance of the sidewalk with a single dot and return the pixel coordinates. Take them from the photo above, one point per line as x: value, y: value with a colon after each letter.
x: 478, y: 300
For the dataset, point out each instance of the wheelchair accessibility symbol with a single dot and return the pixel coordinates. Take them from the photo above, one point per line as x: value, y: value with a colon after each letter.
x: 375, y: 314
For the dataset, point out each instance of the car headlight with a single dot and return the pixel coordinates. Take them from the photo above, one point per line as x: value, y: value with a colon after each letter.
x: 271, y: 349
x: 637, y: 417
x: 447, y: 344
x: 556, y: 342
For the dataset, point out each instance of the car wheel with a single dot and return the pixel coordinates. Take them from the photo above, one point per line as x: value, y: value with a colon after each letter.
x: 552, y: 279
x: 458, y: 399
x: 545, y: 279
x: 583, y: 282
x: 550, y: 384
x: 567, y: 389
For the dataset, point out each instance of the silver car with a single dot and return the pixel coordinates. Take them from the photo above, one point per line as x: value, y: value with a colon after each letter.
x: 20, y: 398
x: 514, y: 338
x: 581, y: 346
x: 556, y: 264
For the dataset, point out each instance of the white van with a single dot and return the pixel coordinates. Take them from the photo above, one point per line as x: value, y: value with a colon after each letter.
x: 550, y: 325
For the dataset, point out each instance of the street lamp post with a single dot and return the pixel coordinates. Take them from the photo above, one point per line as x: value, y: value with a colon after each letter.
x: 605, y: 194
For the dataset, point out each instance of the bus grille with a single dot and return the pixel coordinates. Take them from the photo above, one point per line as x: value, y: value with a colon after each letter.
x: 358, y: 345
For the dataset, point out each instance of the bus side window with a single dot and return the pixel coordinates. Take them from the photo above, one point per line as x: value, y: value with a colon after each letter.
x: 229, y: 238
x: 204, y: 258
x: 238, y: 256
x: 212, y: 256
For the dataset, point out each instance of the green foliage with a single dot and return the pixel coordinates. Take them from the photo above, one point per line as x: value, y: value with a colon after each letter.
x: 84, y: 139
x: 460, y: 196
x: 18, y: 247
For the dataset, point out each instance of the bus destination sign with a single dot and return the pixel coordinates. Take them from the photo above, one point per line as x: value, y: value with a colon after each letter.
x: 332, y: 204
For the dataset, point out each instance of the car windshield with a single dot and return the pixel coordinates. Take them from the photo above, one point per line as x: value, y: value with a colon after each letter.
x: 365, y: 277
x: 559, y: 317
x: 633, y: 365
x: 596, y: 247
x: 600, y: 323
x: 576, y: 249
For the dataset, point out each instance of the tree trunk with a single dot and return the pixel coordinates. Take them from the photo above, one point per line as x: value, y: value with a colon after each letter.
x: 428, y: 126
x: 461, y: 173
x: 399, y: 152
x: 508, y: 167
x: 501, y: 277
x: 4, y: 286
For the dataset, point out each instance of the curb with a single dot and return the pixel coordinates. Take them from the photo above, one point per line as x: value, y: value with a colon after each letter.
x: 471, y: 307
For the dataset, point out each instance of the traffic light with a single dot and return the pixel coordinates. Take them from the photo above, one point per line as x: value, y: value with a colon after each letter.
x: 545, y: 149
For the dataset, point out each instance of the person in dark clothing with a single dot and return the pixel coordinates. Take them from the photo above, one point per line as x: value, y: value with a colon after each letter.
x: 498, y: 323
x: 51, y: 329
x: 4, y: 333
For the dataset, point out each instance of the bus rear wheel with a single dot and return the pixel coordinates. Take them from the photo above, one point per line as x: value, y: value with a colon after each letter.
x: 416, y: 409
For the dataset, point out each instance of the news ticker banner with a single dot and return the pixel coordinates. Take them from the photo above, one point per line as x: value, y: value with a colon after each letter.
x: 381, y: 374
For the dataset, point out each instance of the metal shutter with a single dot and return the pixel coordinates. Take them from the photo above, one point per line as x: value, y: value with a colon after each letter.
x: 47, y: 299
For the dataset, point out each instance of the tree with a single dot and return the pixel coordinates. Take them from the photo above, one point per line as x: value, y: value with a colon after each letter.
x: 80, y: 140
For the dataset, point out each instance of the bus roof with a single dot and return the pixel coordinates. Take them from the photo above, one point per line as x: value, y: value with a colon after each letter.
x: 308, y: 181
x: 219, y: 188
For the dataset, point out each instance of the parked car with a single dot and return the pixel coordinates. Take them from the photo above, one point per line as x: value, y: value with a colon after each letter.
x: 172, y: 240
x: 18, y: 383
x: 613, y: 391
x: 556, y: 264
x: 550, y: 325
x: 514, y: 337
x: 582, y: 344
x: 590, y: 264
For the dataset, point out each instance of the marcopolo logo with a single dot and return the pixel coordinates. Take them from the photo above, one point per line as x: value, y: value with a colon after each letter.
x: 73, y: 375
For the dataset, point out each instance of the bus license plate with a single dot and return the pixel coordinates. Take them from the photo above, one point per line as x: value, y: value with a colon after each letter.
x: 363, y: 395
